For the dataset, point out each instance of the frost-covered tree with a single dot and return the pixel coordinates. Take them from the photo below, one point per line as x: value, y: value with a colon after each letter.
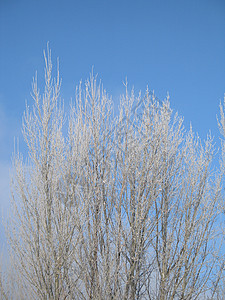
x: 43, y: 233
x: 111, y: 207
x: 169, y: 204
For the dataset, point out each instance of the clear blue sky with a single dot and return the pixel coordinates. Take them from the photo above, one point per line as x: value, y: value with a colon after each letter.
x: 174, y: 46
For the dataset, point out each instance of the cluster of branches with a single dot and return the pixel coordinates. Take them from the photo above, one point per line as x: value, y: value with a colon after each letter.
x: 112, y: 208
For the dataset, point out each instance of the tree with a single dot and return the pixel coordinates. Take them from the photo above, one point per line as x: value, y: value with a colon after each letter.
x: 170, y: 205
x: 44, y: 229
x: 112, y: 208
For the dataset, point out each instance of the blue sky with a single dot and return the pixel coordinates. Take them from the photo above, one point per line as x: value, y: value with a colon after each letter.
x: 172, y: 46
